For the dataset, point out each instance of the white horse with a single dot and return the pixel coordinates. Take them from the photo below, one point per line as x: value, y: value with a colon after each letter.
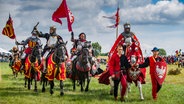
x: 134, y: 75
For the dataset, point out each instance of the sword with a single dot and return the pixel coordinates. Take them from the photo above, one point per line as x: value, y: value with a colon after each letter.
x: 34, y: 28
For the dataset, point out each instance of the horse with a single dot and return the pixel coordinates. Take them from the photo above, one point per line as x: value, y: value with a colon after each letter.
x: 135, y: 75
x: 15, y: 64
x: 31, y: 70
x: 81, y: 68
x: 56, y: 67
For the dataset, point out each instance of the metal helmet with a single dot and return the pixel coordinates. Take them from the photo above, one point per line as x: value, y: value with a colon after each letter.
x: 34, y: 32
x: 127, y: 25
x: 53, y: 28
x: 14, y: 48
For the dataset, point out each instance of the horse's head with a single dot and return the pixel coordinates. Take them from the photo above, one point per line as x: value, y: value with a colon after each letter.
x: 85, y: 56
x: 59, y: 53
x: 133, y: 59
x: 35, y: 54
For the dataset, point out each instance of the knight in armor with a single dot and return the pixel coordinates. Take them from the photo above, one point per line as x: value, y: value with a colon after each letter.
x: 15, y: 55
x: 32, y: 42
x: 150, y: 61
x: 77, y: 44
x: 129, y: 38
x: 52, y: 41
x: 80, y: 43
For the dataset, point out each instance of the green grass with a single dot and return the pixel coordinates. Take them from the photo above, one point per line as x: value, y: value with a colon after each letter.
x: 12, y: 91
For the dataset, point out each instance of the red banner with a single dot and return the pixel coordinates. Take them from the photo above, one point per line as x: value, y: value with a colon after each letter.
x: 8, y: 30
x: 63, y: 12
x: 116, y: 18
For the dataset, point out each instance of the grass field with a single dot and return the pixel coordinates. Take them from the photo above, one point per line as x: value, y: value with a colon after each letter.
x: 12, y: 91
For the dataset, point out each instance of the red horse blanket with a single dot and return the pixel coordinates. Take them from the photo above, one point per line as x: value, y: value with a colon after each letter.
x: 52, y: 71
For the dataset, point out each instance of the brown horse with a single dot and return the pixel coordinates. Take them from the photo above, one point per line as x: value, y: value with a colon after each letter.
x: 15, y: 64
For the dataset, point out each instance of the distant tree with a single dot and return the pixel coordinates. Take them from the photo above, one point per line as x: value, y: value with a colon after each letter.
x: 104, y: 54
x: 162, y: 52
x: 97, y: 48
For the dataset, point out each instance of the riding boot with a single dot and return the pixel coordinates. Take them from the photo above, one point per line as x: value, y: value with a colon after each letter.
x: 22, y: 64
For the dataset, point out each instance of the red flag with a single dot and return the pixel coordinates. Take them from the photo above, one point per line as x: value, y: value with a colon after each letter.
x: 63, y: 12
x: 8, y: 30
x: 116, y: 18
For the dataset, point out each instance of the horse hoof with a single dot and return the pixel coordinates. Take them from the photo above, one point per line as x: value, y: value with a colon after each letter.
x: 142, y: 99
x: 122, y: 99
x: 61, y: 93
x: 86, y: 90
x: 51, y: 92
x: 35, y: 90
x: 111, y: 92
x: 43, y: 89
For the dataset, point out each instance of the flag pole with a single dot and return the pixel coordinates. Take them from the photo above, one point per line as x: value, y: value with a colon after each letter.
x: 16, y: 44
x: 116, y: 32
x: 118, y: 21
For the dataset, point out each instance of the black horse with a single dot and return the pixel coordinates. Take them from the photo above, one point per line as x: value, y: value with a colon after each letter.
x: 56, y: 67
x: 31, y: 69
x: 81, y: 69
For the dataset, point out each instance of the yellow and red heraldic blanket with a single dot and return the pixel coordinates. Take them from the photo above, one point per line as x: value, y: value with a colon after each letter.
x: 52, y: 71
x: 36, y: 67
x: 16, y: 66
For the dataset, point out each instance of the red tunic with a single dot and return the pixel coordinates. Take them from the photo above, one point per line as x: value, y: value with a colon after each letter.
x: 114, y: 66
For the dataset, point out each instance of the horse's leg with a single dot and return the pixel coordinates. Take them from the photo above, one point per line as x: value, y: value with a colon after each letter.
x: 13, y: 73
x: 73, y: 75
x: 140, y: 90
x: 128, y: 89
x: 88, y: 81
x: 35, y: 79
x: 25, y: 82
x: 81, y: 80
x: 73, y: 84
x: 43, y: 79
x: 61, y: 88
x: 51, y: 86
x: 111, y: 85
x: 29, y: 83
x: 16, y: 74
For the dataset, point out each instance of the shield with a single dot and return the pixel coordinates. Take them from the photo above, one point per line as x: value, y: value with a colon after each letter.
x: 160, y: 71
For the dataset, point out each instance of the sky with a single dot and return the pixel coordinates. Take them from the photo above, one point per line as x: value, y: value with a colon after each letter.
x: 156, y: 23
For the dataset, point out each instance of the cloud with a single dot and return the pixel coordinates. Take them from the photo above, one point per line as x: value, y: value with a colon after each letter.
x: 163, y: 12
